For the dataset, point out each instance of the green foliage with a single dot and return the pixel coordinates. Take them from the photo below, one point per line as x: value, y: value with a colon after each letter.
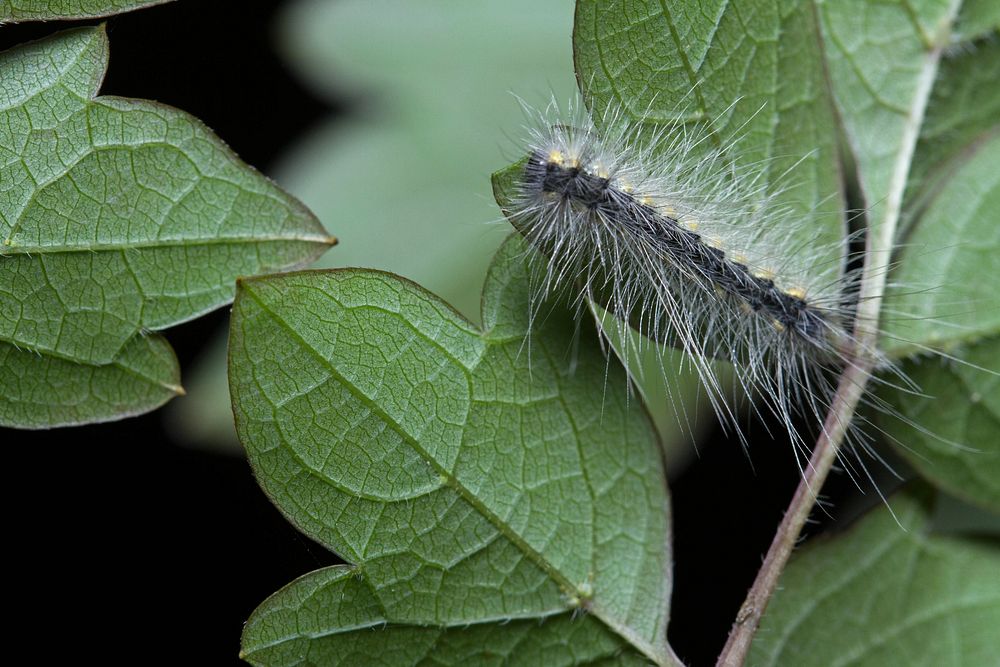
x: 962, y: 454
x: 886, y: 594
x: 14, y: 11
x: 471, y: 476
x: 415, y: 152
x: 339, y: 397
x: 772, y: 74
x: 500, y: 498
x: 42, y: 391
x: 747, y: 71
x: 339, y: 379
x: 978, y: 19
x: 332, y: 617
x: 118, y: 217
x: 963, y: 111
x: 942, y: 297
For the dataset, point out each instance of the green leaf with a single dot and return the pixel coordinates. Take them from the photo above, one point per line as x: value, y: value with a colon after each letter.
x: 953, y: 516
x: 940, y: 296
x: 119, y: 216
x: 882, y: 60
x: 410, y: 166
x: 336, y: 618
x: 40, y: 391
x: 474, y: 477
x: 964, y: 109
x: 958, y: 413
x: 978, y: 18
x: 886, y: 594
x: 13, y: 11
x: 747, y: 70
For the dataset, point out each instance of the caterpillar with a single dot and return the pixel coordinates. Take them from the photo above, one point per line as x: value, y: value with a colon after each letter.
x: 671, y: 237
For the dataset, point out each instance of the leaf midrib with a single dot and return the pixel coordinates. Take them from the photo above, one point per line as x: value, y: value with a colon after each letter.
x: 626, y: 633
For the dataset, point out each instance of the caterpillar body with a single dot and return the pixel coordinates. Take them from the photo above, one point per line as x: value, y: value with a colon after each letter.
x: 673, y: 238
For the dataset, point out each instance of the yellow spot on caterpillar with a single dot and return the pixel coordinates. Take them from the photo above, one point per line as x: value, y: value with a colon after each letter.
x: 574, y: 161
x: 599, y: 170
x: 625, y: 187
x: 764, y: 274
x: 646, y: 201
x: 740, y: 258
x: 691, y: 224
x: 745, y: 307
x: 669, y: 211
x: 796, y: 292
x: 556, y: 157
x: 714, y: 241
x: 778, y: 326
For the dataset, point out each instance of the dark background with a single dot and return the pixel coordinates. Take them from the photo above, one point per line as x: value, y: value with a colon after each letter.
x: 123, y: 546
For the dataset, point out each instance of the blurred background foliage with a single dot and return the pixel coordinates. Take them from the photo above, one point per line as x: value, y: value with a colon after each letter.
x: 401, y: 178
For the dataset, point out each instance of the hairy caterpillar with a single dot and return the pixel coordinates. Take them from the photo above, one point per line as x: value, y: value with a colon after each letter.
x: 671, y: 237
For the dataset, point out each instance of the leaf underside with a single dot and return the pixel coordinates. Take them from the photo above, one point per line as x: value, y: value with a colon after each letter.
x: 13, y: 11
x: 473, y: 477
x: 117, y: 217
x: 885, y: 594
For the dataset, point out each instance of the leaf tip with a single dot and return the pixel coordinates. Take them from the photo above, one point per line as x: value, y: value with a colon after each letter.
x: 100, y: 32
